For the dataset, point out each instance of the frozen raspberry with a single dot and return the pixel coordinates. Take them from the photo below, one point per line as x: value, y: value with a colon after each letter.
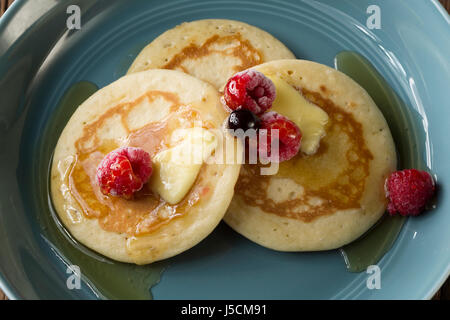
x: 409, y: 191
x: 124, y: 171
x: 289, y: 135
x: 249, y: 89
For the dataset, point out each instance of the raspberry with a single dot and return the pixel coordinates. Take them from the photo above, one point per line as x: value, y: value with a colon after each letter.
x: 124, y: 171
x: 290, y: 135
x: 249, y: 89
x: 409, y: 191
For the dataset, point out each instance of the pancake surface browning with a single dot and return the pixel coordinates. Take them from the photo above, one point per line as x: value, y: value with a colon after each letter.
x: 139, y: 110
x: 211, y: 50
x: 330, y: 198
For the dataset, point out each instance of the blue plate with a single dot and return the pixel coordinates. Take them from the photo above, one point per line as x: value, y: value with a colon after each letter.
x: 40, y: 59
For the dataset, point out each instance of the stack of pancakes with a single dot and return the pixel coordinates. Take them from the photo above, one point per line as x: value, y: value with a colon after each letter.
x: 314, y: 202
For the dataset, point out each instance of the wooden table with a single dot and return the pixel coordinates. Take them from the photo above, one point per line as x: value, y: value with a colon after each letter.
x: 443, y: 293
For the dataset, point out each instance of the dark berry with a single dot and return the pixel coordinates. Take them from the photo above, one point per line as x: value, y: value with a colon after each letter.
x: 243, y: 119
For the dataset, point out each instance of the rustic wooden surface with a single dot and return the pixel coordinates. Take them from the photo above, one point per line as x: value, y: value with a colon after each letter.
x: 443, y: 293
x: 446, y: 4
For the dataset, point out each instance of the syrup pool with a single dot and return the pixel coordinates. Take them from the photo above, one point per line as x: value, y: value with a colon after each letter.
x: 108, y: 279
x: 373, y: 245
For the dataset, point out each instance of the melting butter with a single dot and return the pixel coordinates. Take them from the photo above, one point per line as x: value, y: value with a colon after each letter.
x: 307, y: 116
x: 175, y: 169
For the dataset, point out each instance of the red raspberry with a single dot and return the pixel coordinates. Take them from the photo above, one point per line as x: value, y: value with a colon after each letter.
x: 249, y: 89
x: 124, y: 171
x: 409, y: 191
x: 289, y: 135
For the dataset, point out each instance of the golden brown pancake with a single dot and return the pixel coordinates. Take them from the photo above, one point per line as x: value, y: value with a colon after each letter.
x: 140, y: 110
x: 211, y: 50
x: 328, y: 199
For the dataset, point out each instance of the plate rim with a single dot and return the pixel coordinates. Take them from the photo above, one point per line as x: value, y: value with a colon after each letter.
x: 8, y: 288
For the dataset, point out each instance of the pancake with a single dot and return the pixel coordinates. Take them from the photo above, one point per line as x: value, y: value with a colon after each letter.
x: 139, y: 110
x: 328, y: 199
x: 211, y: 50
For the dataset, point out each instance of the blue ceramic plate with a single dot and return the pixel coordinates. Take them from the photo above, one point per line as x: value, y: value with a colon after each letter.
x: 40, y: 59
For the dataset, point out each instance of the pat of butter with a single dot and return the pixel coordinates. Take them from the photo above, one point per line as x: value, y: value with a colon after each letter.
x: 307, y: 116
x: 175, y: 169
